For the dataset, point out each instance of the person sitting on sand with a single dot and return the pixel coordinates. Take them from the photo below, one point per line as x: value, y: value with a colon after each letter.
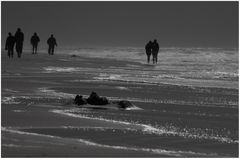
x: 155, y: 49
x: 51, y: 43
x: 34, y: 41
x: 10, y: 44
x: 148, y: 49
x: 19, y: 37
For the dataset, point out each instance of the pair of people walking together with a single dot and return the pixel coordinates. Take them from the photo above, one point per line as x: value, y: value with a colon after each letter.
x: 12, y: 40
x: 152, y: 48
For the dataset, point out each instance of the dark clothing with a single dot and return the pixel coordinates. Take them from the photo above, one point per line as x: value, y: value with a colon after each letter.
x: 51, y: 43
x: 155, y: 49
x: 19, y: 37
x: 148, y: 49
x: 10, y: 45
x: 34, y: 41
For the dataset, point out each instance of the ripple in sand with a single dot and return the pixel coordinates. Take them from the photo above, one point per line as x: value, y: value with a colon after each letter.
x: 149, y: 129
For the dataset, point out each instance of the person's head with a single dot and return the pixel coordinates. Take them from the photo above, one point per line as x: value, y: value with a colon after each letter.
x: 35, y: 33
x: 10, y: 34
x: 155, y: 40
x: 51, y: 35
x: 19, y: 29
x: 150, y: 41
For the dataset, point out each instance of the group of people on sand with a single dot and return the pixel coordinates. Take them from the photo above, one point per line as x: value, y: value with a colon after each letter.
x: 152, y: 48
x: 18, y: 39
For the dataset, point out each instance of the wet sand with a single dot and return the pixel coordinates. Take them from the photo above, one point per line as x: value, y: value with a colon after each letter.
x: 39, y: 119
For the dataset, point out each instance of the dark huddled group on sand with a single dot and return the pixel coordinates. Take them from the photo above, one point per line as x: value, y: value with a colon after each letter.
x: 95, y: 99
x: 152, y: 48
x: 18, y: 39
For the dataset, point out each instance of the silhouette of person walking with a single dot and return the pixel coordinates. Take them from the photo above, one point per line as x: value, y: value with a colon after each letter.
x: 34, y: 41
x: 19, y: 37
x: 155, y: 49
x: 148, y: 49
x: 10, y: 44
x: 51, y: 43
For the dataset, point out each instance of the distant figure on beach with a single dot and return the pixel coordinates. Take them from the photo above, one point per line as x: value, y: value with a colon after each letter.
x: 10, y: 44
x: 19, y: 37
x: 34, y: 41
x: 148, y: 49
x: 155, y: 49
x: 51, y: 43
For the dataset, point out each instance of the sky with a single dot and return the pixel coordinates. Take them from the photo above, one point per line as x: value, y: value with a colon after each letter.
x: 132, y: 24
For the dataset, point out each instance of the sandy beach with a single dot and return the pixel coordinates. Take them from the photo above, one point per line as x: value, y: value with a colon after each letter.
x: 39, y: 118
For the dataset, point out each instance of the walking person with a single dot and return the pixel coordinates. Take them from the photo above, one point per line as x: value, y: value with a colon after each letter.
x: 34, y: 41
x: 19, y: 37
x: 155, y: 49
x: 148, y: 49
x: 51, y: 43
x: 10, y: 45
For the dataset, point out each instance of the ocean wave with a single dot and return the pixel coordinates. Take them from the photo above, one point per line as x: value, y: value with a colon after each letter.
x: 155, y: 151
x: 176, y: 153
x: 187, y: 79
x: 148, y: 128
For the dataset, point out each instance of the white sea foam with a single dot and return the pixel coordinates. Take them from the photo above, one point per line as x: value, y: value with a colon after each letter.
x: 10, y: 90
x: 19, y: 111
x: 155, y: 151
x: 52, y: 69
x: 9, y: 100
x: 122, y: 88
x: 18, y: 146
x: 52, y: 93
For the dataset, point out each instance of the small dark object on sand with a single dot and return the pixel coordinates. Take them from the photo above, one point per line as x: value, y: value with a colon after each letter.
x: 73, y: 55
x: 79, y: 100
x: 123, y: 104
x: 94, y: 99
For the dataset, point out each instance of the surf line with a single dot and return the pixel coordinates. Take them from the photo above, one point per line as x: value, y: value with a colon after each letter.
x: 146, y: 128
x: 90, y: 143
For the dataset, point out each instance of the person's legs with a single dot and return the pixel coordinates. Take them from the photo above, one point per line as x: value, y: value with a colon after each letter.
x: 18, y: 50
x: 52, y: 50
x: 156, y: 58
x: 9, y: 52
x: 153, y: 58
x: 35, y: 49
x: 148, y: 58
x: 32, y: 49
x: 49, y: 50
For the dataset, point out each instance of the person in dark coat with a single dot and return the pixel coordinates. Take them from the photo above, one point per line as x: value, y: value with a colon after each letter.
x: 10, y: 44
x: 51, y: 43
x: 148, y: 49
x: 155, y: 49
x: 34, y: 41
x: 19, y: 37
